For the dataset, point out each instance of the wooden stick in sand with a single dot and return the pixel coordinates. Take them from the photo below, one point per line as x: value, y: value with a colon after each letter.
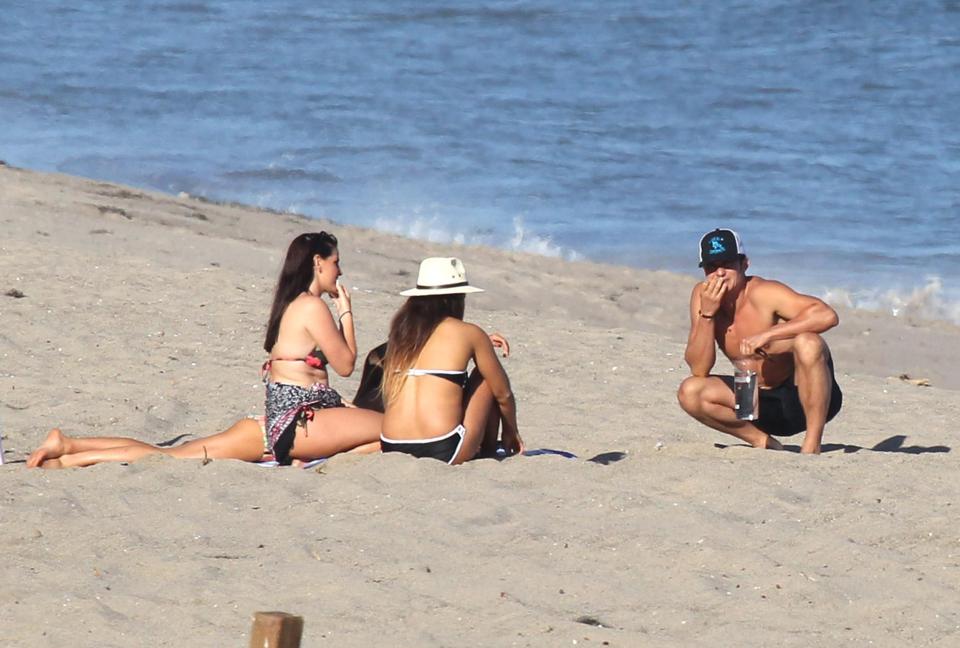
x: 276, y: 630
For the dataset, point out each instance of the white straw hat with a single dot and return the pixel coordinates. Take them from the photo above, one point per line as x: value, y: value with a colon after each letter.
x: 441, y: 276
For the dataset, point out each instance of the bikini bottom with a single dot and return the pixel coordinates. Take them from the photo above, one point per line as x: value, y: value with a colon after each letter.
x: 289, y: 406
x: 444, y: 448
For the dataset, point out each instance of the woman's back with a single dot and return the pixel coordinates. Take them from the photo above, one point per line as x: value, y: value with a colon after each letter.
x: 433, y: 409
x: 430, y: 402
x: 296, y: 357
x: 309, y: 342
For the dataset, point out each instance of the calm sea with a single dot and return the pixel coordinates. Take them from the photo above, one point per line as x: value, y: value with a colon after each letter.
x: 827, y: 133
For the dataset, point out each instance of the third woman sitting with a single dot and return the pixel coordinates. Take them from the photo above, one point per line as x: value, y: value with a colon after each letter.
x: 433, y: 407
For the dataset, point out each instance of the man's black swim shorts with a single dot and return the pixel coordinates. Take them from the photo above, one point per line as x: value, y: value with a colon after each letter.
x: 781, y: 412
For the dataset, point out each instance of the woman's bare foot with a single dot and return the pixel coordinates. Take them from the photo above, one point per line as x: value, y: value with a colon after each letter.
x: 51, y: 463
x: 53, y: 447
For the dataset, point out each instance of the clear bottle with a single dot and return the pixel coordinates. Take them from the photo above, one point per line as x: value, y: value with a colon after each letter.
x: 745, y: 388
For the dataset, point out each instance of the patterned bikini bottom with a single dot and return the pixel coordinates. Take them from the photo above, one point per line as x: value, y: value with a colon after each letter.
x: 289, y: 405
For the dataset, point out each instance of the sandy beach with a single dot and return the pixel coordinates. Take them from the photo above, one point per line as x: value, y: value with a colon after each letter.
x: 133, y: 313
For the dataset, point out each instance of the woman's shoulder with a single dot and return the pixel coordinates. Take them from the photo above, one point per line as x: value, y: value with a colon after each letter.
x: 307, y: 303
x: 454, y: 326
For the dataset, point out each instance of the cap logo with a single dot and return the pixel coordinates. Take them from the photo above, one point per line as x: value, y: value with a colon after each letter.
x: 716, y: 245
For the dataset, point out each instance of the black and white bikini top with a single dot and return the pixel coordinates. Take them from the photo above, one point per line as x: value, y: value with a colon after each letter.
x: 456, y: 377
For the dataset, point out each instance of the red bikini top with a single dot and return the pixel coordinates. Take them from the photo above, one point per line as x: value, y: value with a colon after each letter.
x: 316, y: 359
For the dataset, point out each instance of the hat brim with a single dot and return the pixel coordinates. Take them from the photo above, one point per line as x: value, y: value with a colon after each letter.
x: 453, y: 290
x: 720, y: 258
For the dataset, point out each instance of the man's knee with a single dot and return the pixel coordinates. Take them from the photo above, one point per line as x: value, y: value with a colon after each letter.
x: 689, y: 394
x: 809, y: 348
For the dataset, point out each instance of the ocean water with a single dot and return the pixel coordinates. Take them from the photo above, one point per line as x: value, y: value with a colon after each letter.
x: 827, y: 133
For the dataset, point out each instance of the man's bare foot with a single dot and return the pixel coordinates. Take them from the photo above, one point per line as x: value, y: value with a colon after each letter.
x: 51, y: 463
x: 52, y: 448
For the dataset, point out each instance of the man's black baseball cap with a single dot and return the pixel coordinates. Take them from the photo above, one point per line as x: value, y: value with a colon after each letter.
x: 720, y: 245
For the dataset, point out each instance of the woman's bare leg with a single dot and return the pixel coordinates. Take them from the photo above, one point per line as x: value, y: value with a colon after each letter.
x: 90, y: 457
x: 366, y: 448
x: 243, y: 440
x: 338, y: 429
x: 481, y: 418
x: 57, y: 443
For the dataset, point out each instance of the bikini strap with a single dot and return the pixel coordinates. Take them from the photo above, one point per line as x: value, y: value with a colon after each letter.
x: 310, y: 360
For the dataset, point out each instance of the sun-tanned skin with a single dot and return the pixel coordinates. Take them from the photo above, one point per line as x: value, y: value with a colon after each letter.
x: 429, y: 408
x: 243, y: 440
x: 750, y: 315
x: 305, y: 323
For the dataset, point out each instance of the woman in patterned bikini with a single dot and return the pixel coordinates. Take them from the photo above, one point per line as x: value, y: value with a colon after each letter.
x: 305, y: 418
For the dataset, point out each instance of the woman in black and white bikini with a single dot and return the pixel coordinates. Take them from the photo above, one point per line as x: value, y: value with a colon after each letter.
x: 305, y: 417
x: 434, y: 408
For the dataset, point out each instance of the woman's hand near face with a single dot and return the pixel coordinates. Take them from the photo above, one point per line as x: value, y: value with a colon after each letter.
x: 342, y: 299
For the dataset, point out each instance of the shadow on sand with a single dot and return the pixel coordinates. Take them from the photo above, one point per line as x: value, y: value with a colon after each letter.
x: 174, y: 441
x: 891, y: 444
x: 607, y: 458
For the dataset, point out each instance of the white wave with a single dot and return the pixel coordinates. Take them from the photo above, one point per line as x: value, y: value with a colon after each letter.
x: 424, y: 229
x: 928, y: 301
x: 525, y: 241
x: 434, y: 230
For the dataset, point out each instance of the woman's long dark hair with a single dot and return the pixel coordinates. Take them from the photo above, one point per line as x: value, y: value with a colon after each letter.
x: 410, y: 329
x: 296, y: 277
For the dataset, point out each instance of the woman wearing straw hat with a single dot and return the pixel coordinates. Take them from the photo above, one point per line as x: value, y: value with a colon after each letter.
x: 434, y: 408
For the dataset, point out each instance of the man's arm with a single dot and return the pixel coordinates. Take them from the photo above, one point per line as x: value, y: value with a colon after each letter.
x: 701, y: 353
x: 800, y: 314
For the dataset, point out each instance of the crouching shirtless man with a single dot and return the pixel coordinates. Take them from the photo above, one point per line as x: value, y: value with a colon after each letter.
x: 751, y: 316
